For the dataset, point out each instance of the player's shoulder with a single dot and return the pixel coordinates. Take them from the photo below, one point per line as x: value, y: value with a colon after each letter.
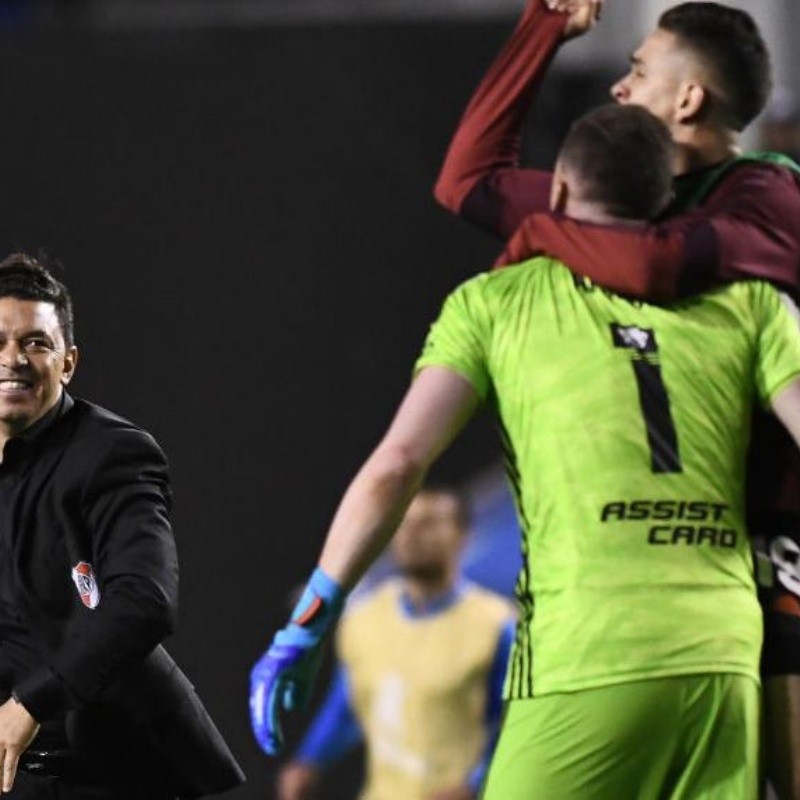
x: 526, y: 271
x: 755, y: 303
x: 757, y: 294
x: 767, y: 301
x: 743, y: 292
x: 367, y: 617
x: 373, y: 601
x: 767, y: 163
x: 763, y: 176
x: 515, y: 281
x: 492, y: 607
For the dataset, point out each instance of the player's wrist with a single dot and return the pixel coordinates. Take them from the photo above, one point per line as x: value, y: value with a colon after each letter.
x: 319, y: 606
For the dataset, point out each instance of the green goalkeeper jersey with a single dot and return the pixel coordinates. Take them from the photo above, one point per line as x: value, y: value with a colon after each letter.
x: 626, y: 427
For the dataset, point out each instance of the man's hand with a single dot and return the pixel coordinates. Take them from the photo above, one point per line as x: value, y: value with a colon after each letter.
x: 456, y: 793
x: 298, y: 781
x: 282, y: 681
x: 583, y: 14
x: 17, y: 729
x: 283, y: 678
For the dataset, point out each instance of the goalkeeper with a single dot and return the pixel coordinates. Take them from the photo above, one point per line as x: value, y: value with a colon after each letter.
x: 626, y: 428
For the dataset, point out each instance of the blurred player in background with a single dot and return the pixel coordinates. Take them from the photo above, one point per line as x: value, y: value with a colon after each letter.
x: 422, y: 663
x: 705, y: 71
x: 626, y: 429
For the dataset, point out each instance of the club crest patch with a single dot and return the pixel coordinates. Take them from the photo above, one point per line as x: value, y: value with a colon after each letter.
x: 86, y: 584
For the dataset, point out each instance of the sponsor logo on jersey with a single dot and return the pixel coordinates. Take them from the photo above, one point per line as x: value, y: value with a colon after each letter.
x: 681, y: 511
x: 692, y: 534
x: 632, y: 337
x: 691, y: 510
x: 86, y: 584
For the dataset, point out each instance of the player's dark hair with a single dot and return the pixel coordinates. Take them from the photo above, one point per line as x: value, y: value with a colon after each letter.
x: 622, y: 157
x: 728, y: 41
x: 462, y: 507
x: 27, y: 278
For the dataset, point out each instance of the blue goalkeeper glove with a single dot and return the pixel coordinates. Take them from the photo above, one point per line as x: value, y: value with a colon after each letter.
x: 284, y: 676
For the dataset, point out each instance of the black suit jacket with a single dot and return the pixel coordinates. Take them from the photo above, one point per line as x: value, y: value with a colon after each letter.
x: 96, y: 579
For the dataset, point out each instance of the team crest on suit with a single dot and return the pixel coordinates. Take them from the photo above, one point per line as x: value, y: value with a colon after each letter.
x: 86, y: 584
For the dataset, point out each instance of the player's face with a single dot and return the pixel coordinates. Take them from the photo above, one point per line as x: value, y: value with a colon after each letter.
x: 656, y: 78
x: 428, y: 541
x: 34, y: 362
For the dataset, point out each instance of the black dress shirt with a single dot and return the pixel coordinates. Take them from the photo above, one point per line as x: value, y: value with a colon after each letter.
x: 19, y: 655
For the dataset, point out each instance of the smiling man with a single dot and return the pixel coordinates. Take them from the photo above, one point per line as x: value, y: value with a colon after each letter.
x: 88, y: 582
x: 36, y: 362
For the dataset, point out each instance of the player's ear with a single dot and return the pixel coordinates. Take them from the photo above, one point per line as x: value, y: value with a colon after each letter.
x: 690, y: 101
x: 559, y: 190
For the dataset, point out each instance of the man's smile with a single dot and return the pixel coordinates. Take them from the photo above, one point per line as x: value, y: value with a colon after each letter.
x: 15, y: 386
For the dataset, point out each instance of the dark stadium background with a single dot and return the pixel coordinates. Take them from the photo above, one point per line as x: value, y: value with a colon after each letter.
x: 246, y: 222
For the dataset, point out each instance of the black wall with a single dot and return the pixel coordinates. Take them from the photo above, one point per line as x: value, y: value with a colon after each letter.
x: 247, y: 226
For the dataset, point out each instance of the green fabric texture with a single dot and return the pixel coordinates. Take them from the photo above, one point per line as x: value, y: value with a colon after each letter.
x: 683, y: 738
x: 625, y: 427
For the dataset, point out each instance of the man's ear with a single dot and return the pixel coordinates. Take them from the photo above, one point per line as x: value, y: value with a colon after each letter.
x: 559, y: 191
x: 70, y: 362
x: 691, y: 101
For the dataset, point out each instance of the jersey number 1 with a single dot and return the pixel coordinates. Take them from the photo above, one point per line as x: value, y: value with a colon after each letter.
x: 653, y: 398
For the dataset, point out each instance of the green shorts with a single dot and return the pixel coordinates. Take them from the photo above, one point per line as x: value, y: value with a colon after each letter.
x: 691, y: 737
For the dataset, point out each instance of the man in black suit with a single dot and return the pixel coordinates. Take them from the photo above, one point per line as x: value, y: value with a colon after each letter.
x: 92, y: 706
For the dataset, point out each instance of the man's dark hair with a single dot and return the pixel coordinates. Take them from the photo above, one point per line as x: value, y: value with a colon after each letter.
x: 26, y: 278
x: 462, y: 506
x: 622, y: 157
x: 729, y: 43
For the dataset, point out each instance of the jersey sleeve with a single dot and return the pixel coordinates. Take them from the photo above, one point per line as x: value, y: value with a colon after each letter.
x: 459, y: 339
x: 335, y: 730
x: 778, y: 354
x: 747, y: 229
x: 494, y: 702
x: 641, y: 262
x: 481, y: 179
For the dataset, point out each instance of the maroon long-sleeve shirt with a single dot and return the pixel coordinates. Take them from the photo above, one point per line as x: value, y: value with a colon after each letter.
x: 748, y: 227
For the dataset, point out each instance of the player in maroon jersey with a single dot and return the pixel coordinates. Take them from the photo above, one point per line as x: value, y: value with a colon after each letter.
x: 746, y: 227
x: 705, y: 71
